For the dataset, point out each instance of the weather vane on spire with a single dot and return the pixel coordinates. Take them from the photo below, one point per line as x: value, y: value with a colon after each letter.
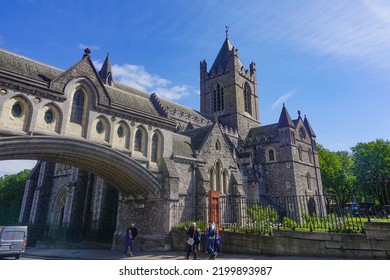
x: 227, y: 31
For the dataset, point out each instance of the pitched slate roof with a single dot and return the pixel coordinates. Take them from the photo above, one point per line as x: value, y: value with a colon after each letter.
x: 182, y: 145
x: 198, y: 135
x: 24, y: 66
x: 223, y: 56
x: 264, y: 132
x: 131, y: 98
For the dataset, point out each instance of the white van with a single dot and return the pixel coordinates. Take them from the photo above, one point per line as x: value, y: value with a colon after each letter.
x: 13, y: 241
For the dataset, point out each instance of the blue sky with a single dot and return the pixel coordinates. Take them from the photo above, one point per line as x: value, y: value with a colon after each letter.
x: 328, y: 59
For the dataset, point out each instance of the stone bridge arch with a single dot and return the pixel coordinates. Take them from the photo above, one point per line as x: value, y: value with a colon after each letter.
x: 118, y: 169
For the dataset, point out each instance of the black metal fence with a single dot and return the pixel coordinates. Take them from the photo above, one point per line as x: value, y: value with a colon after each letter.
x: 305, y: 213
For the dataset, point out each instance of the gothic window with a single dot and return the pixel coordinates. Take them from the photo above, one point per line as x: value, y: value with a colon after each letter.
x: 59, y: 207
x: 225, y: 181
x: 140, y: 141
x: 77, y: 107
x: 218, y: 98
x: 212, y: 179
x: 155, y: 147
x: 247, y: 99
x: 218, y: 175
x: 271, y: 155
x: 300, y: 152
x: 217, y: 145
x: 310, y: 156
x: 308, y: 179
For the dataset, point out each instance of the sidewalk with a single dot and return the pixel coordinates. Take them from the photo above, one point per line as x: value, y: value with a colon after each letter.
x: 99, y: 254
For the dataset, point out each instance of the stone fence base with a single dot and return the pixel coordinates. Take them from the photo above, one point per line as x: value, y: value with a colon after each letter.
x: 374, y: 244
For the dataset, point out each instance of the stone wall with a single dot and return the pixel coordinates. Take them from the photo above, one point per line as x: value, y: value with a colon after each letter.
x: 374, y: 244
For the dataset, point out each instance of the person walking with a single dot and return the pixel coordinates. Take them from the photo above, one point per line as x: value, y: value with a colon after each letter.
x: 217, y: 243
x: 128, y: 251
x: 192, y: 241
x: 211, y: 239
x: 134, y: 231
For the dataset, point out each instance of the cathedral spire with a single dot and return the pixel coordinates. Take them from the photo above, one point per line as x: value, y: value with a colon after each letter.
x: 105, y: 72
x: 223, y: 57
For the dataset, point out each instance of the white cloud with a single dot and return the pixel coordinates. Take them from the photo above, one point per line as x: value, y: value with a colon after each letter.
x: 8, y: 167
x: 342, y: 30
x: 136, y: 76
x: 282, y: 99
x: 83, y: 46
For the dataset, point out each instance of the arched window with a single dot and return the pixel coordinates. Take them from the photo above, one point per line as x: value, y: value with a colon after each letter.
x: 247, y: 99
x: 77, y: 107
x: 308, y: 179
x: 212, y: 179
x: 218, y: 98
x: 310, y: 154
x: 155, y: 149
x: 300, y: 152
x: 218, y: 175
x: 217, y: 145
x: 140, y: 141
x: 271, y: 155
x: 225, y: 181
x: 59, y: 206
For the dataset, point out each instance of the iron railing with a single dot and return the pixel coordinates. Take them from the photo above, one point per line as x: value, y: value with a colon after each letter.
x: 305, y: 213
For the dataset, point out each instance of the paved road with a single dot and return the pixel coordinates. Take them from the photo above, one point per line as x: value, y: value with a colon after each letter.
x: 98, y: 254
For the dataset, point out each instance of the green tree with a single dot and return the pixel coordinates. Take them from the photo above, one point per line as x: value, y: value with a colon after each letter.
x: 372, y: 169
x: 337, y: 174
x: 11, y: 195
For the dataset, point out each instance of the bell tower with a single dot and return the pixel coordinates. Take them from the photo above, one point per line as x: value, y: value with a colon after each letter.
x: 229, y: 91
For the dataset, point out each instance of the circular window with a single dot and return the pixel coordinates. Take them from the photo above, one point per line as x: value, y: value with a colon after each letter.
x: 48, y: 116
x: 99, y: 127
x: 120, y: 132
x: 16, y: 110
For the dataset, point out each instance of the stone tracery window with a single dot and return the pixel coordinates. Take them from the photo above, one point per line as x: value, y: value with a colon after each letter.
x: 247, y: 99
x: 77, y: 107
x: 156, y: 147
x: 140, y: 141
x: 218, y: 96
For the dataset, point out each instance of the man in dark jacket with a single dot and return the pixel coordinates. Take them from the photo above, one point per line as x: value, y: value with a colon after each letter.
x: 192, y: 241
x: 134, y: 231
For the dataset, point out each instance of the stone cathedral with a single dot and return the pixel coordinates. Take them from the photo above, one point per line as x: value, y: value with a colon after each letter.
x: 199, y: 158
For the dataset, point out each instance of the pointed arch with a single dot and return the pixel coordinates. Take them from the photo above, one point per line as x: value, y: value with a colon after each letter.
x: 59, y: 207
x: 247, y: 98
x: 121, y: 135
x: 49, y: 118
x: 140, y: 143
x: 212, y: 178
x: 225, y: 181
x: 308, y: 181
x: 100, y: 130
x: 300, y: 153
x: 76, y: 115
x: 218, y: 98
x: 156, y: 149
x: 18, y: 110
x: 218, y: 175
